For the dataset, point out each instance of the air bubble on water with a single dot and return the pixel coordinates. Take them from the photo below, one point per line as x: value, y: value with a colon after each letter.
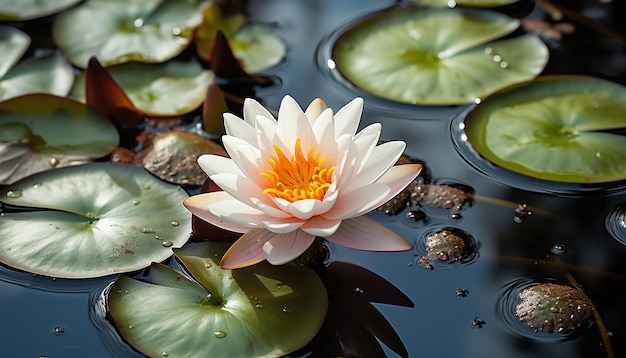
x: 358, y: 290
x: 559, y: 249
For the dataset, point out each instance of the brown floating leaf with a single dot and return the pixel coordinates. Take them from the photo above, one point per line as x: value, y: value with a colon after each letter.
x: 213, y: 109
x: 172, y: 156
x: 107, y: 97
x: 443, y: 245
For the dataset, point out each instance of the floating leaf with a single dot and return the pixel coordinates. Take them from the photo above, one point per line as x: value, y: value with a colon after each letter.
x: 214, y: 20
x: 41, y: 74
x: 117, y: 31
x: 11, y: 10
x: 163, y: 89
x: 97, y: 219
x: 437, y: 56
x: 256, y: 46
x: 40, y: 131
x: 173, y: 155
x: 225, y: 65
x: 558, y: 128
x: 258, y: 311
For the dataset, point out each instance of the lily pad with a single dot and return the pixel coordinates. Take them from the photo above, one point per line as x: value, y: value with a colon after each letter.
x: 259, y: 311
x: 41, y: 74
x: 437, y: 56
x: 98, y: 219
x: 11, y: 10
x: 39, y: 132
x: 557, y: 128
x: 163, y: 89
x: 173, y: 155
x: 118, y: 31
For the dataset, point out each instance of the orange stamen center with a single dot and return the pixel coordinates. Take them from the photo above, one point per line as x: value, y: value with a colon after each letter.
x: 299, y: 177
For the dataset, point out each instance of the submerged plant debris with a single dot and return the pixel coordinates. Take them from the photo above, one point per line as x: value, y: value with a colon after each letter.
x: 442, y: 245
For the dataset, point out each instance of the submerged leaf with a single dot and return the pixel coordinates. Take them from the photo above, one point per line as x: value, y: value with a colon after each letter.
x: 98, y: 219
x: 259, y: 311
x: 118, y: 31
x: 558, y: 128
x: 39, y: 132
x: 437, y: 56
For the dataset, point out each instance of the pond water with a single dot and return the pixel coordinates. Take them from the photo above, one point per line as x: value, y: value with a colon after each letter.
x: 522, y: 232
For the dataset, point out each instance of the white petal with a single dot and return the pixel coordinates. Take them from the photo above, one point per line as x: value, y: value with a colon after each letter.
x: 199, y: 206
x: 267, y: 206
x: 283, y: 226
x: 363, y: 233
x: 213, y: 164
x: 320, y: 226
x: 245, y: 156
x: 365, y: 142
x: 302, y: 209
x: 247, y: 250
x: 238, y: 213
x: 284, y: 248
x: 252, y: 109
x: 397, y: 178
x: 348, y: 118
x: 358, y: 201
x: 324, y: 131
x: 265, y: 132
x: 382, y: 158
x: 239, y: 187
x: 315, y: 108
x: 237, y: 127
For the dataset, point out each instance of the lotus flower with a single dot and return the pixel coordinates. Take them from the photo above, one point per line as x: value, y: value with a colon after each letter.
x: 302, y: 176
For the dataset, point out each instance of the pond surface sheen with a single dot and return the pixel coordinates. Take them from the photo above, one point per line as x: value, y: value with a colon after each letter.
x: 512, y: 247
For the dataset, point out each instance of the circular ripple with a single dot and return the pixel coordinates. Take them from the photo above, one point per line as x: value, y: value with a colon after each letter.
x: 520, y: 181
x: 616, y: 223
x: 509, y: 298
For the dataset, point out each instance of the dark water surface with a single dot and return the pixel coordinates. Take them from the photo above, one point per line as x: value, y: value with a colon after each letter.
x: 561, y: 237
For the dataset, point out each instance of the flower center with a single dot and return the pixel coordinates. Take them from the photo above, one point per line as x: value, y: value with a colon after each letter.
x: 299, y: 177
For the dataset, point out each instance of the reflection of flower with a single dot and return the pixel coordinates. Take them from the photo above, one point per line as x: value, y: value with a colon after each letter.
x: 304, y: 175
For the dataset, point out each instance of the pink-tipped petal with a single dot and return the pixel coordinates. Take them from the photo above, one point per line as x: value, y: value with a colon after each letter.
x: 358, y: 201
x: 252, y: 109
x: 199, y: 206
x: 363, y: 233
x: 245, y: 190
x: 320, y: 226
x: 283, y: 248
x: 213, y: 164
x: 397, y: 178
x: 239, y: 213
x: 247, y: 250
x: 315, y: 108
x: 347, y: 118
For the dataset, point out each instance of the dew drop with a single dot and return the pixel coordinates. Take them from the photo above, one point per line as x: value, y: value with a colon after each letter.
x: 175, y: 223
x: 219, y: 334
x: 259, y: 306
x: 147, y: 230
x: 497, y: 58
x: 130, y: 326
x: 504, y: 64
x: 285, y: 309
x: 488, y: 50
x: 165, y: 354
x: 167, y: 244
x: 208, y: 265
x: 559, y: 249
x: 14, y: 194
x: 136, y: 202
x: 126, y: 292
x: 138, y: 22
x: 146, y: 186
x: 176, y: 31
x: 37, y: 185
x: 53, y: 162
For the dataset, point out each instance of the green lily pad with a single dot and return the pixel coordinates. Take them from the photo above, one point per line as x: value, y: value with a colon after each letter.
x: 258, y: 311
x: 257, y: 47
x: 40, y: 74
x: 39, y: 132
x: 118, y: 31
x: 161, y: 89
x: 437, y: 56
x: 557, y: 128
x: 11, y: 10
x: 473, y: 3
x: 98, y: 219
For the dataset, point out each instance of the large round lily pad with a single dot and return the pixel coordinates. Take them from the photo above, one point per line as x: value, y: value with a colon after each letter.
x: 117, y: 31
x: 557, y: 128
x: 40, y: 132
x: 258, y: 311
x: 97, y: 219
x: 162, y: 89
x: 437, y: 56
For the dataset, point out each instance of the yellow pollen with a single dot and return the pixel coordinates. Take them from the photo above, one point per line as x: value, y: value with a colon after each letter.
x: 299, y: 177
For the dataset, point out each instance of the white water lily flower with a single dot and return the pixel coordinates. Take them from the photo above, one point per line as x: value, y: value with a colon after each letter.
x: 304, y: 175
